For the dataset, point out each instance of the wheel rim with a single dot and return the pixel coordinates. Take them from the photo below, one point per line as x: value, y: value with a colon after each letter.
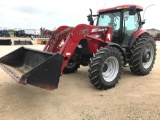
x: 147, y: 64
x: 110, y: 69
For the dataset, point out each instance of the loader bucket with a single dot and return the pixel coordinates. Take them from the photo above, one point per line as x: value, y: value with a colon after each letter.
x: 38, y: 68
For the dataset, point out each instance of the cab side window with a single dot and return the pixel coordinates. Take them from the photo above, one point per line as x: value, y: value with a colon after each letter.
x: 130, y: 23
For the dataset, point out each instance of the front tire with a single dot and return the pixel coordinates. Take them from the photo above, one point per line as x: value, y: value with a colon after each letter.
x: 143, y: 54
x: 106, y: 68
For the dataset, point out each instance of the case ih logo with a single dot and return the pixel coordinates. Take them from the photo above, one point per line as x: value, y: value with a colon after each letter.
x: 83, y: 31
x: 98, y: 29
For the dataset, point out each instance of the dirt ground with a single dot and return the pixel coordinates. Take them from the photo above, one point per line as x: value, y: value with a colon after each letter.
x: 133, y: 98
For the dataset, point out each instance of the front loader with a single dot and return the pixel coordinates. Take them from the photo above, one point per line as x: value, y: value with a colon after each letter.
x: 115, y: 41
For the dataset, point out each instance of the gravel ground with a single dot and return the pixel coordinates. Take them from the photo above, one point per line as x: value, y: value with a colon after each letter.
x: 133, y: 98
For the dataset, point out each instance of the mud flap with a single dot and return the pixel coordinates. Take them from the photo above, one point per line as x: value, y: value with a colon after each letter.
x: 38, y: 68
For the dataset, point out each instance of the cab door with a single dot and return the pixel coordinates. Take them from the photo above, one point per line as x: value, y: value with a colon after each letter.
x: 130, y: 25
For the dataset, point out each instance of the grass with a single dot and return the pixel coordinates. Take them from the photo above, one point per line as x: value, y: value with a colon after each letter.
x: 11, y: 32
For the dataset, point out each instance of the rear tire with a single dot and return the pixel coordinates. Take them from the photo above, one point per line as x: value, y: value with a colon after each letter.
x: 143, y: 54
x: 106, y: 68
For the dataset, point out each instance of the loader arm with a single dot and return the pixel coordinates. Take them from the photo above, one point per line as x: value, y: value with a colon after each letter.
x: 80, y: 32
x: 56, y: 38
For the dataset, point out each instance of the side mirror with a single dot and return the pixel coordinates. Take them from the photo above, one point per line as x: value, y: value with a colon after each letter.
x: 143, y: 22
x: 132, y: 10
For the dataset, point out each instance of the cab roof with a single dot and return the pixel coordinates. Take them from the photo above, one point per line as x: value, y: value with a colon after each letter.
x: 121, y: 7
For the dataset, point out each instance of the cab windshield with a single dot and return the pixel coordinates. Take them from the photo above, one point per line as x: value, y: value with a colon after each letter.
x: 109, y: 19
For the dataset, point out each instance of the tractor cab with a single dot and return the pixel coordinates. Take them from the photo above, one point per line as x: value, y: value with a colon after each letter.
x: 125, y: 20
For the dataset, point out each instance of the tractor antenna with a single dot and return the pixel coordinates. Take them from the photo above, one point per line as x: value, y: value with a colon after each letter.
x: 104, y: 3
x: 146, y: 9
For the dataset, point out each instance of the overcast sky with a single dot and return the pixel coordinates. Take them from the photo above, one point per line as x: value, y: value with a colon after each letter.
x: 34, y: 14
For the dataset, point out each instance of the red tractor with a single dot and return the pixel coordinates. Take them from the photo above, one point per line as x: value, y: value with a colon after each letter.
x: 115, y: 41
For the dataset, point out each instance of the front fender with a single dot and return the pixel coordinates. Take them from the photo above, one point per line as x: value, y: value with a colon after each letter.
x: 120, y: 49
x: 135, y: 35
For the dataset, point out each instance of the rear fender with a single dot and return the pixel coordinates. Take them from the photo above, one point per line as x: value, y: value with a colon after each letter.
x: 135, y: 35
